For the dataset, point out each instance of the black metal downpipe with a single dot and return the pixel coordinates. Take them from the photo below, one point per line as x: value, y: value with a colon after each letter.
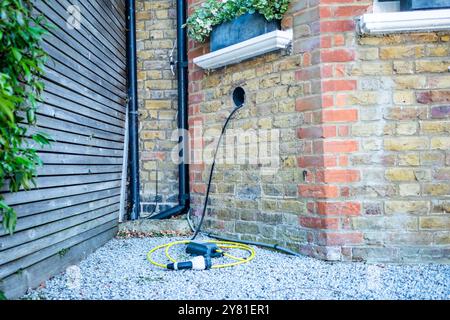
x: 182, y: 75
x: 132, y: 110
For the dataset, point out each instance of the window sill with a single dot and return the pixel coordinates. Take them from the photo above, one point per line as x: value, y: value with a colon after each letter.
x: 268, y: 42
x: 410, y: 21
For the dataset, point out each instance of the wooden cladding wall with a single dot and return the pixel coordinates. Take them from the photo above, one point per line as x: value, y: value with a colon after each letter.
x: 75, y: 208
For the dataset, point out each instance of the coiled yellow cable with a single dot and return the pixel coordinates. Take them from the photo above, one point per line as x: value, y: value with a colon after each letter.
x: 220, y: 244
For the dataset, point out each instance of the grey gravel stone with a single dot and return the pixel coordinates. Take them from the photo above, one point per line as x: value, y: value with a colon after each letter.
x: 119, y: 270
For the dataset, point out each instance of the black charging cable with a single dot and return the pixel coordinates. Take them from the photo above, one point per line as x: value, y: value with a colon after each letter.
x: 211, y: 173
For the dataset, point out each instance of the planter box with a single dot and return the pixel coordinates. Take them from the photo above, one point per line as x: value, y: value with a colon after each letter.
x: 240, y: 29
x: 247, y: 49
x: 408, y: 5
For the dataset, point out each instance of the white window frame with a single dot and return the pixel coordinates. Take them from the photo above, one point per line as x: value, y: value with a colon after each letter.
x: 387, y: 18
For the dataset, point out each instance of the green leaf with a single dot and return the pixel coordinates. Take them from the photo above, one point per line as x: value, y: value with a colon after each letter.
x: 31, y: 116
x: 16, y: 53
x: 9, y: 218
x: 6, y: 108
x: 42, y: 138
x: 3, y: 296
x: 12, y: 222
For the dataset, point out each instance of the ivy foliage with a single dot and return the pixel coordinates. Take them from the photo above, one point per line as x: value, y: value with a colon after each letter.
x: 22, y: 61
x: 215, y: 12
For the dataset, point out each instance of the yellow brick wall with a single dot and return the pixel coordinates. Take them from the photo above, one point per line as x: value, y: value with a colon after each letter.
x: 156, y: 35
x: 403, y: 97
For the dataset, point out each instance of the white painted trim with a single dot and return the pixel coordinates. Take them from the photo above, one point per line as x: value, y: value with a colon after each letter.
x: 244, y: 50
x: 408, y: 21
x: 123, y: 183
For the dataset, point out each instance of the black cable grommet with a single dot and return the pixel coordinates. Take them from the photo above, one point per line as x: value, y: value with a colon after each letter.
x: 238, y: 97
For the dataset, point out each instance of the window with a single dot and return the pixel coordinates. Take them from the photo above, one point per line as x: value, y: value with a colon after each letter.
x: 406, y: 16
x: 409, y: 5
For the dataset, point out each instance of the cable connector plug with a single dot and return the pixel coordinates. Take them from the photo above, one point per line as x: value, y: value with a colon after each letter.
x: 198, y: 263
x: 206, y: 249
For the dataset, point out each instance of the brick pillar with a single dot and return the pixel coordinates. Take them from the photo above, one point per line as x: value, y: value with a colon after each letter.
x: 311, y: 161
x: 337, y: 28
x: 326, y: 130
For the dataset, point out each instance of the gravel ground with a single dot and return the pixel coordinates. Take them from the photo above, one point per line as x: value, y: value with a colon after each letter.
x: 119, y: 270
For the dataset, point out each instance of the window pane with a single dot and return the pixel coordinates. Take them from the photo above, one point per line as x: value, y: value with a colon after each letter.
x: 408, y: 5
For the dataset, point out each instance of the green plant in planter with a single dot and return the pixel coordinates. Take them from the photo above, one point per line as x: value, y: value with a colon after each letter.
x: 215, y: 12
x: 22, y: 63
